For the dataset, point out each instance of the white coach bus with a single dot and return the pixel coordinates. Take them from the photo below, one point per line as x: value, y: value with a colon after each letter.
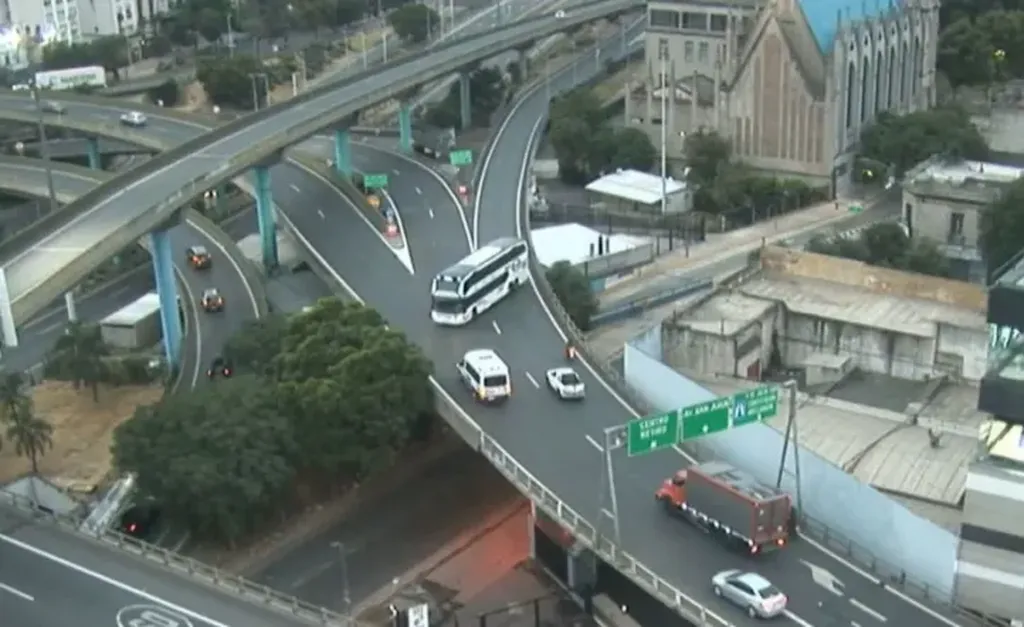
x: 478, y: 282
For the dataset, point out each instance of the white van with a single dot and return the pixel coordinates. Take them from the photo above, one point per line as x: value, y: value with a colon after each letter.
x: 486, y: 375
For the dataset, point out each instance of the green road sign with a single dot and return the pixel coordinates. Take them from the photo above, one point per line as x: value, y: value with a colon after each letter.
x: 702, y: 419
x: 755, y: 406
x: 460, y: 158
x: 652, y: 433
x: 856, y: 208
x: 375, y: 181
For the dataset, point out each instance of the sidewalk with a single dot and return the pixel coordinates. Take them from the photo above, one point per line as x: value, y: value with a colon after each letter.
x: 719, y: 247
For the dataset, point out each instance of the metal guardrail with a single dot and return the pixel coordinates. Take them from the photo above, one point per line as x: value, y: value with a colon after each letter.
x: 249, y: 591
x: 637, y: 306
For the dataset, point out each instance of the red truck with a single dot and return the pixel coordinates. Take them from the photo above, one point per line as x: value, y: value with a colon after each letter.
x: 730, y: 503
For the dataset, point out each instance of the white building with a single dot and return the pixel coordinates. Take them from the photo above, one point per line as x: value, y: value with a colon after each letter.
x: 26, y: 25
x: 631, y: 190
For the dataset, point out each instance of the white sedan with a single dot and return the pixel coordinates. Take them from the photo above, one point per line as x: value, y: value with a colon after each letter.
x: 133, y: 118
x: 565, y: 383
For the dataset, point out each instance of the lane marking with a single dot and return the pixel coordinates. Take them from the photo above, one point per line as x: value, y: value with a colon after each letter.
x: 397, y: 173
x: 430, y: 212
x: 594, y: 443
x: 497, y: 329
x: 869, y: 611
x: 320, y: 213
x: 600, y: 378
x: 110, y: 581
x: 532, y: 380
x: 419, y: 192
x: 796, y: 619
x: 18, y: 593
x: 295, y: 188
x: 150, y: 616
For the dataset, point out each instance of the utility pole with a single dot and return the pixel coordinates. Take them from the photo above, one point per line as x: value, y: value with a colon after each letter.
x: 614, y: 438
x: 791, y: 431
x: 346, y: 596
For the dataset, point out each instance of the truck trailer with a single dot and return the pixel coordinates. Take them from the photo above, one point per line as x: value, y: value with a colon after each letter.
x: 731, y: 504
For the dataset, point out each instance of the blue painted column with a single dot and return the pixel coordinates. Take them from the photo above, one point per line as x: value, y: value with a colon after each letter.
x: 405, y: 129
x: 265, y: 217
x: 465, y: 111
x: 167, y: 291
x: 93, y: 151
x: 342, y: 152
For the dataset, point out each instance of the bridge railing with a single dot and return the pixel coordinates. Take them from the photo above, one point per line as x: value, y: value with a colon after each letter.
x: 240, y: 587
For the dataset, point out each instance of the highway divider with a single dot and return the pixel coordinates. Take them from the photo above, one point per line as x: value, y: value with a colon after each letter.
x: 249, y: 591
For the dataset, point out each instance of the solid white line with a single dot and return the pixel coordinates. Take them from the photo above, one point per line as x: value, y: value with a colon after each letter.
x: 867, y: 610
x: 295, y: 188
x: 110, y: 581
x: 497, y: 329
x: 796, y: 619
x: 16, y: 592
x: 532, y: 380
x: 594, y: 443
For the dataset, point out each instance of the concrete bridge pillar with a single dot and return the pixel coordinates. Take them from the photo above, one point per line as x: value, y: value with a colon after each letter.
x: 265, y: 218
x: 405, y: 127
x: 465, y: 102
x: 342, y: 152
x: 92, y: 147
x: 167, y: 291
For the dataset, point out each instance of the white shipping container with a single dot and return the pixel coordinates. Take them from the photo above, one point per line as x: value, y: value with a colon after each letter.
x: 136, y: 325
x: 88, y: 76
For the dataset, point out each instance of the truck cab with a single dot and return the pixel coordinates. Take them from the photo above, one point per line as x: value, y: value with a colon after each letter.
x: 672, y: 492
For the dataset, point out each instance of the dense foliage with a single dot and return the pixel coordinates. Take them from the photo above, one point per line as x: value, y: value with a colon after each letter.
x: 241, y: 81
x: 109, y: 52
x: 886, y: 245
x: 320, y: 399
x: 587, y: 146
x: 414, y: 23
x: 724, y: 186
x: 980, y: 48
x: 30, y: 435
x: 896, y: 143
x: 573, y: 290
x: 1002, y: 227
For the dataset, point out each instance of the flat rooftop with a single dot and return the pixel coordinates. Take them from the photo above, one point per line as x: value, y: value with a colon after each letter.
x: 882, y: 449
x: 725, y: 313
x: 861, y: 307
x: 971, y: 181
x: 576, y: 243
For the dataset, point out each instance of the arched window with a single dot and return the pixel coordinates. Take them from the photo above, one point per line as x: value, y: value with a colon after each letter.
x: 851, y: 84
x: 893, y: 78
x: 865, y: 83
x: 904, y: 73
x: 915, y: 78
x: 879, y: 81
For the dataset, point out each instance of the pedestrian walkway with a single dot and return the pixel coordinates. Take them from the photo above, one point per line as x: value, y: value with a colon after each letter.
x: 719, y: 247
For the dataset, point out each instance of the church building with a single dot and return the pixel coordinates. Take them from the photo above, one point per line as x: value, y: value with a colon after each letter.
x: 790, y: 82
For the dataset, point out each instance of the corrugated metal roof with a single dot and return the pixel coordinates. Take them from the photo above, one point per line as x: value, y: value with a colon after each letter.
x: 636, y: 186
x: 133, y: 312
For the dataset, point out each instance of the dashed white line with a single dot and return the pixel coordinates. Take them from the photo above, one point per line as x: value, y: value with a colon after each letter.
x: 532, y: 380
x: 396, y: 172
x: 430, y: 212
x: 867, y: 610
x: 18, y: 593
x: 295, y: 188
x: 320, y: 213
x: 594, y: 443
x: 796, y: 619
x: 497, y: 329
x: 419, y: 192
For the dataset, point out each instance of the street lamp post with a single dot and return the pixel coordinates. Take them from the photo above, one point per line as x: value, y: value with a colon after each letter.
x: 44, y: 149
x: 343, y: 562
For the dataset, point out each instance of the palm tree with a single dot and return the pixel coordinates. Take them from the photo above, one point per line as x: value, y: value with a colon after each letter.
x: 31, y: 435
x: 12, y: 392
x: 81, y: 350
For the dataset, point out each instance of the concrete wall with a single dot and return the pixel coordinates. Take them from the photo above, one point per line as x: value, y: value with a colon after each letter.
x: 723, y: 353
x: 931, y: 218
x: 856, y: 511
x: 879, y: 280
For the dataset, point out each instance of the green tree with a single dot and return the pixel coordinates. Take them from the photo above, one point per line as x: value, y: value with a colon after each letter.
x: 887, y: 245
x: 413, y: 23
x: 228, y: 81
x: 1002, y: 227
x: 573, y: 290
x: 707, y: 153
x: 256, y: 345
x: 486, y: 93
x: 31, y: 435
x: 902, y: 141
x: 166, y: 94
x: 355, y: 388
x: 965, y: 54
x: 634, y: 150
x: 221, y: 457
x: 78, y: 354
x: 13, y: 391
x: 583, y: 145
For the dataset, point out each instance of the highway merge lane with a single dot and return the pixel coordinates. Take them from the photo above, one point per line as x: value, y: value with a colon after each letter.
x: 206, y: 332
x: 52, y: 578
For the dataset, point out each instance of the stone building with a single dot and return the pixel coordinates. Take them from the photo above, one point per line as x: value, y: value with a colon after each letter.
x: 791, y: 82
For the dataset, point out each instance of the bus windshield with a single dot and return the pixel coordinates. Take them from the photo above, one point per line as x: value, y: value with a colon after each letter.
x: 446, y: 284
x: 449, y: 305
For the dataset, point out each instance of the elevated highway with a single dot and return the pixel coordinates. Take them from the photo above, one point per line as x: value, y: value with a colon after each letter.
x: 40, y: 266
x: 206, y: 333
x: 548, y: 449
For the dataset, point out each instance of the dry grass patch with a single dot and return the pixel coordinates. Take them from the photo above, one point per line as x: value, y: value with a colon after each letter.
x: 82, y: 432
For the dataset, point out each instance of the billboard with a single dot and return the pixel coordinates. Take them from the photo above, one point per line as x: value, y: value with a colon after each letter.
x: 88, y: 76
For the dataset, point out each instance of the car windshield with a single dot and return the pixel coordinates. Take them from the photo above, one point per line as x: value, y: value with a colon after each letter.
x: 495, y: 381
x: 570, y: 378
x: 212, y: 294
x: 769, y: 592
